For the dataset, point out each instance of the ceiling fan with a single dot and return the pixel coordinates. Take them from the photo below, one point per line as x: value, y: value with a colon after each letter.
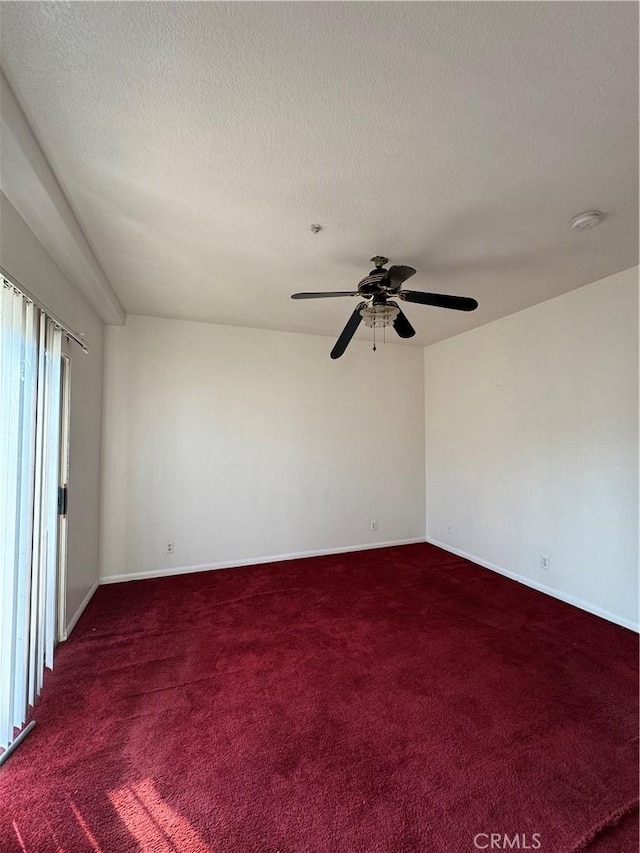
x: 377, y: 309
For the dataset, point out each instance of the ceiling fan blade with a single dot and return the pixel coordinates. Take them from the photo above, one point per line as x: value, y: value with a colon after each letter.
x: 439, y: 300
x: 348, y: 332
x: 323, y: 295
x: 397, y: 276
x: 402, y: 325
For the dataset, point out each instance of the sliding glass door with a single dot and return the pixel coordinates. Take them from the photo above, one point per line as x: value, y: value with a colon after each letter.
x: 30, y: 418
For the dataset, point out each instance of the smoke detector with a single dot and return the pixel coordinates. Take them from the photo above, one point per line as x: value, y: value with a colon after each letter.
x: 586, y: 220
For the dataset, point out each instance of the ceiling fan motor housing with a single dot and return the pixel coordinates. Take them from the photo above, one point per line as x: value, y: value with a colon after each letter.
x: 370, y: 283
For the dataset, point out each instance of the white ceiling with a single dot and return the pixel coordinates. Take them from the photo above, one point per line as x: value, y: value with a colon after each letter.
x: 197, y: 142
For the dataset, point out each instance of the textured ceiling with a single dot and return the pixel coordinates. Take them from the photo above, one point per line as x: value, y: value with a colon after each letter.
x: 197, y: 142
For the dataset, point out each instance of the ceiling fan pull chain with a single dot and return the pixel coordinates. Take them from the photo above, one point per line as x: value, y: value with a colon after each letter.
x: 374, y: 336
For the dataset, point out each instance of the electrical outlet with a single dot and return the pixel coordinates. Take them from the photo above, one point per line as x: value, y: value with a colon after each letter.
x: 170, y: 546
x: 544, y: 562
x: 374, y: 525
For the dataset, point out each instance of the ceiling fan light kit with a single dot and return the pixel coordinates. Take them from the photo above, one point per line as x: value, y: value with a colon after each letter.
x: 379, y: 315
x: 377, y: 311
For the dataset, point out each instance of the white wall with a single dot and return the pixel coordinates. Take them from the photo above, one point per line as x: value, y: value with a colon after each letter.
x: 23, y: 256
x: 244, y: 444
x: 532, y: 445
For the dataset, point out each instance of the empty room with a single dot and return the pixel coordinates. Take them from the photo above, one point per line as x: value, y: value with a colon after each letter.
x: 319, y: 371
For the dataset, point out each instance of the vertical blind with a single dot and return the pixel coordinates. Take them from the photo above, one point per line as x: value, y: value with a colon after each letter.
x: 30, y: 400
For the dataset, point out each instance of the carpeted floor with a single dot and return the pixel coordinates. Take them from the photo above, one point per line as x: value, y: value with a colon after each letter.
x: 393, y: 701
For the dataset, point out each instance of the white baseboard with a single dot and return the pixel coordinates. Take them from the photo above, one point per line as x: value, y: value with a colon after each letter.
x: 72, y: 623
x: 252, y: 561
x: 548, y: 590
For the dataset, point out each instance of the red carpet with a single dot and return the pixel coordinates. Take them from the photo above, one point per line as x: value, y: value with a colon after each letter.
x: 392, y: 701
